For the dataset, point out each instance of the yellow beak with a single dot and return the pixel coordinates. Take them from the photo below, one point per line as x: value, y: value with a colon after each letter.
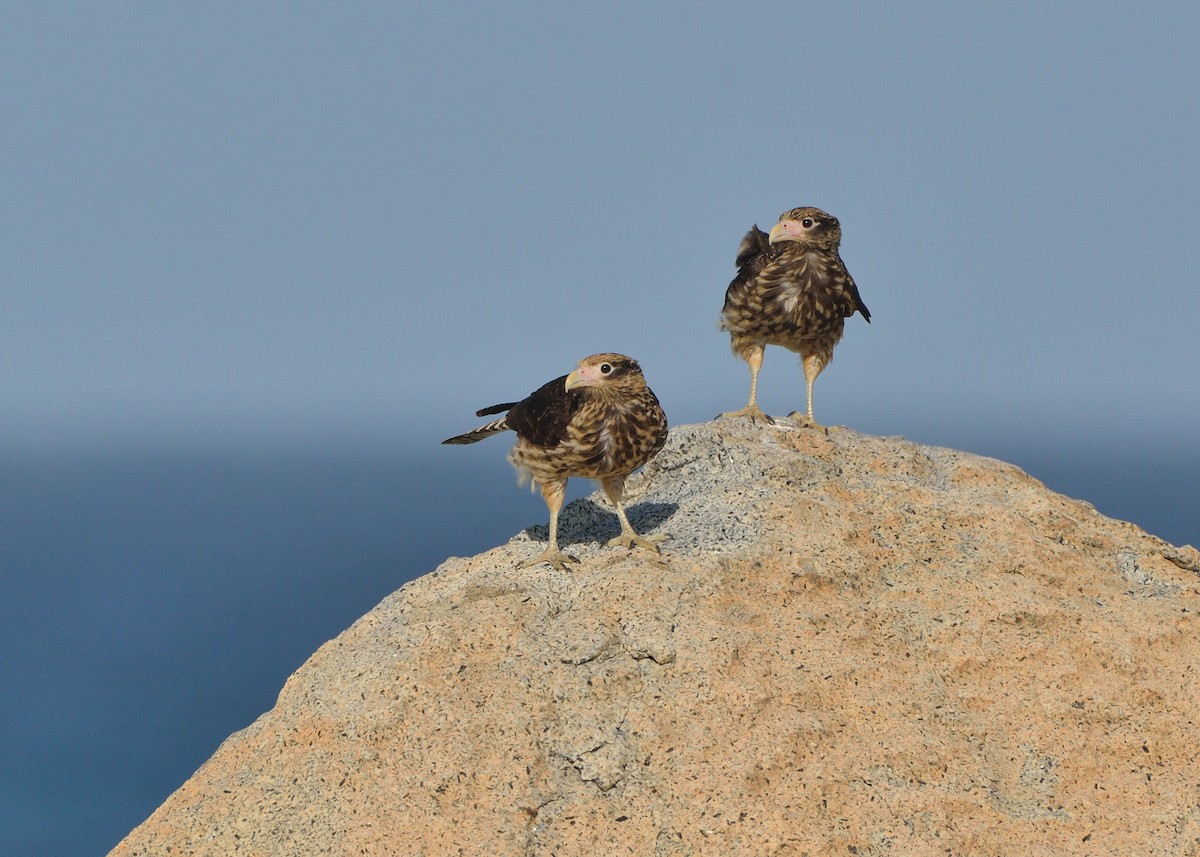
x: 574, y: 380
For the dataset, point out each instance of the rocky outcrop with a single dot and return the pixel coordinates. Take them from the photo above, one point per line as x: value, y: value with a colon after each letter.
x: 851, y: 645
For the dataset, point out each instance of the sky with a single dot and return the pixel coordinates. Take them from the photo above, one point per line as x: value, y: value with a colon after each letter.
x: 246, y: 231
x: 226, y: 220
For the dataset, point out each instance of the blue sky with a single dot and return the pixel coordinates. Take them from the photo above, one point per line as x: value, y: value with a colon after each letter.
x: 260, y: 258
x: 229, y: 220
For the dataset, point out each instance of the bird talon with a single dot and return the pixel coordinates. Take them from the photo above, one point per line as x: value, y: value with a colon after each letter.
x: 631, y: 540
x: 805, y: 421
x: 754, y: 413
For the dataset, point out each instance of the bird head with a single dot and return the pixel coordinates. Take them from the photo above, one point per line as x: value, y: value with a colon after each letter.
x: 807, y: 226
x: 607, y: 372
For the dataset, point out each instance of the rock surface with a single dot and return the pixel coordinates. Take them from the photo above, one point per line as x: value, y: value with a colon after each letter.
x: 851, y: 645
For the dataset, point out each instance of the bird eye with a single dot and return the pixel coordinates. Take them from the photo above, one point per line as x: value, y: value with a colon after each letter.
x: 807, y: 223
x: 605, y: 368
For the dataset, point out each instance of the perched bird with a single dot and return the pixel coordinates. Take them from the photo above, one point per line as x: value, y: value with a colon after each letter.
x: 791, y: 289
x: 600, y: 422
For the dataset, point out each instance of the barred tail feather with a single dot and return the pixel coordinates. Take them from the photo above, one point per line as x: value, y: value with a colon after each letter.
x: 478, y: 434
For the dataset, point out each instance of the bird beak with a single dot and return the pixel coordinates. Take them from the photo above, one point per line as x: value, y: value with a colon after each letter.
x: 584, y: 376
x: 780, y: 232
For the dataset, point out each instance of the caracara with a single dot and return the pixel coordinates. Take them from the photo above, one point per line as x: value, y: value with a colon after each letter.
x: 791, y: 289
x: 599, y: 422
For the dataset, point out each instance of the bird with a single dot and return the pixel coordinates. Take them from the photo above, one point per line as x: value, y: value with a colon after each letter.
x: 791, y: 289
x: 600, y: 421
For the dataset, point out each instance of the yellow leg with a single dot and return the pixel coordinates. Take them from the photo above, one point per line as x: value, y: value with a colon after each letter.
x: 614, y: 487
x: 754, y: 357
x: 552, y: 493
x: 812, y: 368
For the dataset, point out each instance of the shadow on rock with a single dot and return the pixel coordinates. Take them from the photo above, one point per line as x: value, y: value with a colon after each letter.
x: 585, y: 520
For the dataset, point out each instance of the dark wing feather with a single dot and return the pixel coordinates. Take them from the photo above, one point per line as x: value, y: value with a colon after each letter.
x: 852, y: 288
x: 542, y: 417
x: 495, y: 409
x: 756, y: 245
x: 753, y: 254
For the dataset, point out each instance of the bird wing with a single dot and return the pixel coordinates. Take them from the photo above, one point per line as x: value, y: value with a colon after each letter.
x: 852, y: 289
x: 540, y: 418
x: 477, y: 434
x: 495, y: 409
x: 543, y: 416
x: 755, y: 245
x: 753, y: 254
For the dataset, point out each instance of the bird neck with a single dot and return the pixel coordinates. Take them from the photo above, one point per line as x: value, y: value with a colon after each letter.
x: 606, y: 394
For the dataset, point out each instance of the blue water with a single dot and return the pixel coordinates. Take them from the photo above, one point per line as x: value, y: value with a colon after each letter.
x: 154, y: 603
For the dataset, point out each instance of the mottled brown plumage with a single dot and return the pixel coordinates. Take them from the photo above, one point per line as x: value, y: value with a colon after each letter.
x: 600, y: 422
x: 791, y: 289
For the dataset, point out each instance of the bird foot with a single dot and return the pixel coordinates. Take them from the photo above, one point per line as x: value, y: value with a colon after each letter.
x: 630, y: 539
x: 754, y: 412
x: 554, y: 556
x: 806, y: 421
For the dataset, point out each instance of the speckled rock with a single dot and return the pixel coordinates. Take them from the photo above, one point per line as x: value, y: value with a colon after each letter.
x: 851, y: 645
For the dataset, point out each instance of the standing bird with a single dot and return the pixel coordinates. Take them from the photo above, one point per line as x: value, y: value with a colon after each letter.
x: 600, y: 422
x: 791, y: 289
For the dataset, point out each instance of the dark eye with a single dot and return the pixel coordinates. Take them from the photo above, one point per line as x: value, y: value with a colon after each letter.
x: 807, y: 223
x: 605, y: 368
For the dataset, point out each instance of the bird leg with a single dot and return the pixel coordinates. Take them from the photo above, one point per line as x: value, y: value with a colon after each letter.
x: 754, y: 357
x: 614, y: 487
x: 552, y: 493
x: 813, y: 365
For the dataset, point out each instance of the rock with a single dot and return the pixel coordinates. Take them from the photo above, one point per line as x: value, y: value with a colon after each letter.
x: 851, y: 645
